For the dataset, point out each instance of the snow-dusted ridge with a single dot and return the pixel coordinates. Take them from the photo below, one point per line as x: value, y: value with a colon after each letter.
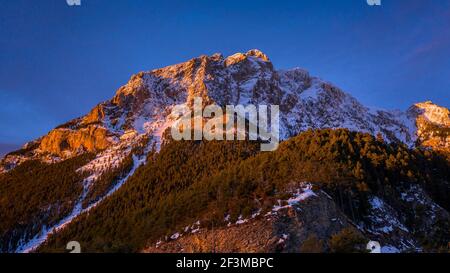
x: 143, y: 105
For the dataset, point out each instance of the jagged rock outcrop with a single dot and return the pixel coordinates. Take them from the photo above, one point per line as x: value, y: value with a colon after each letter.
x: 96, y: 115
x: 399, y: 225
x: 63, y: 140
x: 284, y: 230
x: 433, y: 125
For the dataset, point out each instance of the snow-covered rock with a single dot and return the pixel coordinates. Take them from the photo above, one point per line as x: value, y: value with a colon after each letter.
x: 142, y: 106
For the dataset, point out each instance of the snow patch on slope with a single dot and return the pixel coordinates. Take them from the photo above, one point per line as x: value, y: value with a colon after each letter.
x: 383, y: 218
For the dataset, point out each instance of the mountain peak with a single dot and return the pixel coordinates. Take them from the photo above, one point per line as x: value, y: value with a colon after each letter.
x: 258, y: 54
x: 434, y: 113
x: 118, y: 135
x: 239, y: 57
x: 143, y: 105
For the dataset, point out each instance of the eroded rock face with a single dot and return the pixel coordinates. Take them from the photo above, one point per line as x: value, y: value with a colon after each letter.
x: 282, y: 231
x: 63, y: 140
x: 96, y: 115
x: 433, y: 125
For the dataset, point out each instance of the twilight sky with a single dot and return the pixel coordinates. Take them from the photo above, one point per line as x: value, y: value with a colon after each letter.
x: 57, y: 61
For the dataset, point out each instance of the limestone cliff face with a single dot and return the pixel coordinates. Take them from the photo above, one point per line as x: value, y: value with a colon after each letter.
x: 64, y: 141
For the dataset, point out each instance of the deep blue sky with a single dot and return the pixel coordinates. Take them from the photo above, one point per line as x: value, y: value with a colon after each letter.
x: 57, y: 62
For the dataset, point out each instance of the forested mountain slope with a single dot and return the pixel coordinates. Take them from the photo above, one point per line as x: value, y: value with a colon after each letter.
x: 387, y: 192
